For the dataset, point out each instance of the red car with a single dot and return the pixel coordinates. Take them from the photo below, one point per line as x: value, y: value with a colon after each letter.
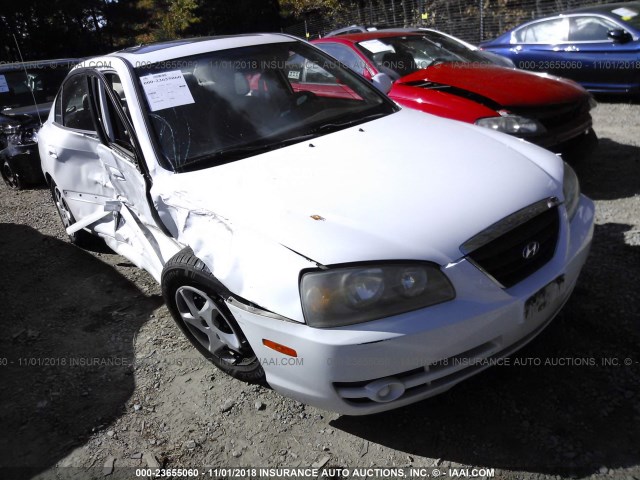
x: 431, y: 72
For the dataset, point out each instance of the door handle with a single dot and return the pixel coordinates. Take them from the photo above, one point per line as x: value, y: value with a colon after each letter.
x: 52, y: 152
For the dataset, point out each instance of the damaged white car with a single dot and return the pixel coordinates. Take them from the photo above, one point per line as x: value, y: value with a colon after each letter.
x: 306, y: 231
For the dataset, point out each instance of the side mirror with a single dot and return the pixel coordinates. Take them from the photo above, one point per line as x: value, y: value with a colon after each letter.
x: 619, y: 35
x: 382, y: 82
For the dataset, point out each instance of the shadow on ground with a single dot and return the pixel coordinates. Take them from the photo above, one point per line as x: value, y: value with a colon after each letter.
x: 611, y: 172
x: 577, y: 411
x: 617, y: 99
x: 68, y: 323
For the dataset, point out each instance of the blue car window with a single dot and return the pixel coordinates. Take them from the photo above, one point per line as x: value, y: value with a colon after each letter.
x: 590, y: 29
x: 555, y: 30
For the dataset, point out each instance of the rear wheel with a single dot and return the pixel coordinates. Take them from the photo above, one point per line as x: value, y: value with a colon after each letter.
x: 196, y: 302
x: 80, y: 238
x: 11, y: 178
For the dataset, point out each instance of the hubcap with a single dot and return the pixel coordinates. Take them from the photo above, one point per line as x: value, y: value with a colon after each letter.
x: 61, y: 205
x: 209, y: 325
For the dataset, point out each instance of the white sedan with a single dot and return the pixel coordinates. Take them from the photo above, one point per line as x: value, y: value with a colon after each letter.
x: 306, y: 231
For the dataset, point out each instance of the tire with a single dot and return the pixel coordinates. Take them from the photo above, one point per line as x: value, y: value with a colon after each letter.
x: 580, y: 149
x: 81, y: 238
x: 196, y: 301
x: 10, y: 177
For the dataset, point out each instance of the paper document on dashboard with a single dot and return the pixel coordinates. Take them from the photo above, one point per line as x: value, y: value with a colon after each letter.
x: 166, y: 90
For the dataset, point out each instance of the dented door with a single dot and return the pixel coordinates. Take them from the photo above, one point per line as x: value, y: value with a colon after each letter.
x: 135, y: 223
x: 73, y: 149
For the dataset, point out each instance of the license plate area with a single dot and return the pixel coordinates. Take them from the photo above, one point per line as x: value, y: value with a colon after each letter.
x: 545, y: 302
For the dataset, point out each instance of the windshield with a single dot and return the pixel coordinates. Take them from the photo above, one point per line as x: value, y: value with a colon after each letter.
x: 226, y: 105
x: 17, y: 87
x: 629, y: 13
x: 404, y: 54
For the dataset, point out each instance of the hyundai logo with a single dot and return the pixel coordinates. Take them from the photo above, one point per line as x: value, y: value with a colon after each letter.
x: 530, y: 250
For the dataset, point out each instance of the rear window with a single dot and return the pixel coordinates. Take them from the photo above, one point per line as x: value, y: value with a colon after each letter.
x: 18, y: 88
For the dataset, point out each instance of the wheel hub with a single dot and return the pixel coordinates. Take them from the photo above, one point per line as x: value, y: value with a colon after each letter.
x: 209, y: 324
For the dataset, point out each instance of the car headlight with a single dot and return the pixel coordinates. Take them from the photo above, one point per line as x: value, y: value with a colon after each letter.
x: 512, y: 124
x: 30, y: 135
x: 9, y: 128
x: 24, y: 136
x: 571, y: 190
x: 344, y: 296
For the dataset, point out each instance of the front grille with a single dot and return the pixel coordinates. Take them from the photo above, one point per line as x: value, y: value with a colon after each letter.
x: 557, y: 116
x: 505, y: 257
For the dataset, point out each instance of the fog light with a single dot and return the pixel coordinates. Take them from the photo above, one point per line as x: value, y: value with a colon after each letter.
x: 385, y: 390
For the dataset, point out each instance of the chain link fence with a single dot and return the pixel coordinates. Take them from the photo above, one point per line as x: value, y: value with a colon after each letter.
x: 470, y: 20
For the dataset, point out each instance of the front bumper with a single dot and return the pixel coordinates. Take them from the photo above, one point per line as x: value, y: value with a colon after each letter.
x: 564, y: 137
x: 384, y: 364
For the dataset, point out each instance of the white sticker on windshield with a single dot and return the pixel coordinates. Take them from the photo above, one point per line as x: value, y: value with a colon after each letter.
x: 166, y: 90
x: 3, y: 84
x: 626, y: 13
x: 376, y: 46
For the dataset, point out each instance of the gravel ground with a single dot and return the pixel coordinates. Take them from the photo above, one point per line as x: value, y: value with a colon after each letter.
x: 95, y: 375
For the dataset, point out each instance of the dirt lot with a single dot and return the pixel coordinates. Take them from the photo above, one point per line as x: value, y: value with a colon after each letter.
x: 95, y: 374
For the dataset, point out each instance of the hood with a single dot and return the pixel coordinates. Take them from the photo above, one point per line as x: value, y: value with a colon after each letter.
x: 29, y: 113
x: 407, y: 186
x: 497, y: 86
x: 9, y: 120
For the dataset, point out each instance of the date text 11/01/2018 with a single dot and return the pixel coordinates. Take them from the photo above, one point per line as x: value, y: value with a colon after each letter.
x: 577, y: 65
x: 312, y: 472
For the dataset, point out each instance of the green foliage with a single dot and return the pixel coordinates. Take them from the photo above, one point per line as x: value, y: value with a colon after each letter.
x: 298, y: 8
x: 166, y: 19
x: 78, y: 28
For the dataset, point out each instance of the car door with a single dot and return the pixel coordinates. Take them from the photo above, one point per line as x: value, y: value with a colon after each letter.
x: 136, y: 228
x: 601, y: 59
x: 73, y: 151
x: 539, y: 46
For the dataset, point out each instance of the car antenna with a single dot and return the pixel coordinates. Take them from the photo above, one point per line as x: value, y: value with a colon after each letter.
x: 26, y: 75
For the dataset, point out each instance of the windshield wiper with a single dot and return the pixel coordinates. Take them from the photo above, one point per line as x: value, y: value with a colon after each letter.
x: 237, y: 153
x: 332, y: 127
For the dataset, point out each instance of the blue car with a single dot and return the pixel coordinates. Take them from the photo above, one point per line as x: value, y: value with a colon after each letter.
x: 598, y: 46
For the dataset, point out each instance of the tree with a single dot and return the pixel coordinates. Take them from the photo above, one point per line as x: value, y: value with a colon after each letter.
x: 299, y: 8
x: 167, y: 19
x: 223, y: 17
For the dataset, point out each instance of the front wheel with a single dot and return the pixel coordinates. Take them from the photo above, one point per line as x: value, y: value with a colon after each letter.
x: 196, y: 301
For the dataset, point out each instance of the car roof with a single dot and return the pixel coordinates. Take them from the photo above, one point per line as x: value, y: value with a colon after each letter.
x: 156, y: 52
x: 359, y: 37
x: 58, y: 62
x: 604, y: 8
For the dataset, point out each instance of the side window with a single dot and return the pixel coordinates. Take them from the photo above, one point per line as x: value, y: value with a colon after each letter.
x: 75, y: 104
x: 344, y: 55
x: 555, y: 30
x: 314, y: 73
x: 57, y: 109
x: 115, y: 128
x: 590, y: 29
x: 116, y: 85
